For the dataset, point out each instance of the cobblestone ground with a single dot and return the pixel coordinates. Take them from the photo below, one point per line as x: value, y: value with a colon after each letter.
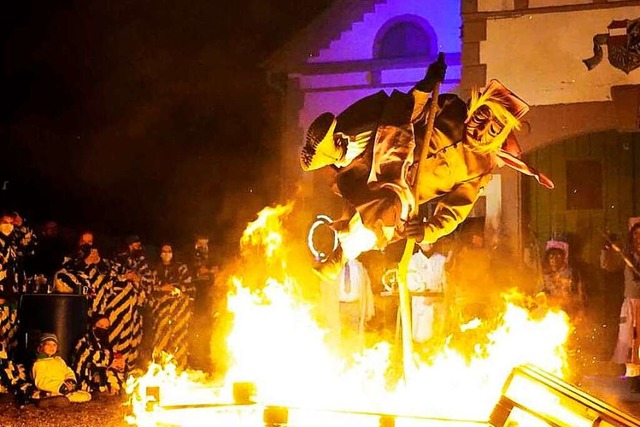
x: 103, y: 412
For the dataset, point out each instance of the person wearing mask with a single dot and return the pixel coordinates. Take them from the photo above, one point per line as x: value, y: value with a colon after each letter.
x: 171, y: 300
x: 628, y: 344
x: 86, y: 273
x: 97, y: 367
x: 131, y: 287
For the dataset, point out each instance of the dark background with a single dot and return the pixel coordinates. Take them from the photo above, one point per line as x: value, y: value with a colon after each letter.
x: 153, y: 117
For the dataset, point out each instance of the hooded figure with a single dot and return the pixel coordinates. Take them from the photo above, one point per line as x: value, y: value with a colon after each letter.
x: 373, y: 146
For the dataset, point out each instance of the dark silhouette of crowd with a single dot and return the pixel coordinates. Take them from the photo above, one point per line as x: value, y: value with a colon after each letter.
x: 131, y: 309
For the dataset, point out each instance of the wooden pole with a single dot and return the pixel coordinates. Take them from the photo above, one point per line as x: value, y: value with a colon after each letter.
x: 403, y: 267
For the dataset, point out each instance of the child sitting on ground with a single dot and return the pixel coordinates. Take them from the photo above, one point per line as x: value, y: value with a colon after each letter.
x: 51, y: 373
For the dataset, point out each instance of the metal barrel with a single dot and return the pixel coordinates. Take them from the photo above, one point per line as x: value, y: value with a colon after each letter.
x: 62, y: 314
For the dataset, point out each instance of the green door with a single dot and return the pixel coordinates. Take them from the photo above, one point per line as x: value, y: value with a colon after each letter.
x: 597, y: 190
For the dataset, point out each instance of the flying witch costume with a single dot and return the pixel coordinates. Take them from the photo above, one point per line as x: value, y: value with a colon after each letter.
x: 373, y: 147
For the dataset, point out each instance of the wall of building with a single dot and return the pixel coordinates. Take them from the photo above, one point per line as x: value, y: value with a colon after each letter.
x: 335, y: 91
x: 346, y: 71
x: 357, y: 43
x: 542, y: 60
x: 537, y: 48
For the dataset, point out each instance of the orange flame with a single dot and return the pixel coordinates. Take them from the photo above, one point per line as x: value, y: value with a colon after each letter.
x: 276, y: 344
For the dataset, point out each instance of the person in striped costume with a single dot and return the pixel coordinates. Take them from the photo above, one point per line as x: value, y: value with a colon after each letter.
x: 10, y: 273
x: 131, y: 286
x: 25, y: 242
x: 14, y: 380
x: 8, y: 323
x: 97, y: 367
x: 86, y: 273
x: 172, y: 298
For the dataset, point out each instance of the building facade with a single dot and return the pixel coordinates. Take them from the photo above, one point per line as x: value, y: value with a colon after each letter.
x: 576, y: 62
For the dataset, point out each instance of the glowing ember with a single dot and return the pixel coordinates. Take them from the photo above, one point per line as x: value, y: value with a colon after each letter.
x: 277, y: 345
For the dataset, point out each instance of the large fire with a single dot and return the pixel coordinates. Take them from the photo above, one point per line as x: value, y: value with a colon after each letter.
x: 277, y: 345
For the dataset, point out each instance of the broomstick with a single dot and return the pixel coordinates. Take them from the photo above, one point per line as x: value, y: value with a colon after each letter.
x: 403, y: 289
x: 625, y: 258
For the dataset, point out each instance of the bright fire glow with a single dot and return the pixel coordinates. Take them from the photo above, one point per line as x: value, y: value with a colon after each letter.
x: 358, y: 239
x: 265, y: 231
x: 276, y: 344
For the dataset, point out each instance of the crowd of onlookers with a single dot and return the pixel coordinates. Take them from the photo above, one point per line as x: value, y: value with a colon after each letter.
x: 134, y: 308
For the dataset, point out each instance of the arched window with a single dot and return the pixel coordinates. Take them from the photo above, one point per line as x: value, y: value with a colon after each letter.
x: 405, y: 37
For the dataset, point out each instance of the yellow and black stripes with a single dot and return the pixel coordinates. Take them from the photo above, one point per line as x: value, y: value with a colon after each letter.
x: 14, y: 379
x: 9, y: 327
x: 122, y: 305
x: 172, y: 311
x: 91, y: 364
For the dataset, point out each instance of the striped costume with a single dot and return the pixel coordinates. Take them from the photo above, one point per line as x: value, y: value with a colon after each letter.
x: 91, y: 364
x: 14, y: 379
x: 92, y: 280
x: 123, y: 304
x: 172, y: 311
x: 8, y: 328
x: 10, y: 273
x: 13, y: 376
x: 25, y: 242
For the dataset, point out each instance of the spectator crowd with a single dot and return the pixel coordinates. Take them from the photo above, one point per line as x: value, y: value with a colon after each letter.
x: 134, y: 310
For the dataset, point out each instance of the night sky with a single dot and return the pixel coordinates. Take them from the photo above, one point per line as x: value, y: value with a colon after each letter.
x: 140, y: 116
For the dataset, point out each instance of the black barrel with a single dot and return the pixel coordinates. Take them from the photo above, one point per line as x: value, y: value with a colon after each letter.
x: 62, y: 314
